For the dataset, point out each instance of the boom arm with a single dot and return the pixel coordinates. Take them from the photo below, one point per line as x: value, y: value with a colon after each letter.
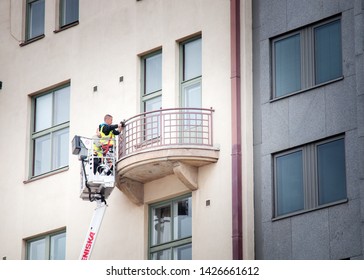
x: 94, y: 227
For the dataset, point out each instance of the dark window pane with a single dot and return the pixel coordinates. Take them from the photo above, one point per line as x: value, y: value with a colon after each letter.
x: 328, y: 62
x: 331, y: 171
x: 69, y: 11
x: 289, y: 173
x: 287, y: 54
x: 36, y: 19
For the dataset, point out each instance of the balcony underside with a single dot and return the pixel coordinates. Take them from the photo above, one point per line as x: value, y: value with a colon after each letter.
x: 134, y: 170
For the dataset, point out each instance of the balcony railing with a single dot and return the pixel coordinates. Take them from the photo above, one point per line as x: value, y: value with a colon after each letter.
x: 166, y: 127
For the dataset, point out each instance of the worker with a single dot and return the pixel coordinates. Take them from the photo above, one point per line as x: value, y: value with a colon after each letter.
x: 107, y: 132
x: 104, y: 150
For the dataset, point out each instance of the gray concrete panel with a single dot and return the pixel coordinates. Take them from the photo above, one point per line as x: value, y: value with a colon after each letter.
x: 302, y: 12
x: 275, y: 127
x: 345, y: 232
x: 348, y: 43
x: 264, y: 82
x: 360, y: 151
x: 277, y: 240
x: 306, y: 117
x: 352, y: 159
x: 340, y: 106
x: 361, y: 189
x: 360, y: 115
x: 267, y: 188
x: 359, y: 66
x: 310, y: 236
x: 272, y: 18
x: 359, y: 29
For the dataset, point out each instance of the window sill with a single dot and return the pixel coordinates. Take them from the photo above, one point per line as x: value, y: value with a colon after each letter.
x: 45, y: 175
x: 306, y: 89
x: 67, y: 26
x: 32, y: 40
x: 290, y: 215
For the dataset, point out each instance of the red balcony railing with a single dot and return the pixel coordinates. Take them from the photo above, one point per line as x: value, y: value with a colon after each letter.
x: 166, y: 127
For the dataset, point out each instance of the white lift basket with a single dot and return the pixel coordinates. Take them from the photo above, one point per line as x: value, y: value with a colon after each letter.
x: 97, y: 170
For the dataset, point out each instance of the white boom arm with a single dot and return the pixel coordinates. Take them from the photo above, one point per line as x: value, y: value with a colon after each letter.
x: 93, y: 230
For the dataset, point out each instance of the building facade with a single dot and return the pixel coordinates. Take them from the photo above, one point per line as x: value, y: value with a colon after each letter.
x: 67, y: 63
x: 308, y: 129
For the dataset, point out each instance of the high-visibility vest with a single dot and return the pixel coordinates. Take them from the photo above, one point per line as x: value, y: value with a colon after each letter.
x: 107, y: 139
x: 97, y: 146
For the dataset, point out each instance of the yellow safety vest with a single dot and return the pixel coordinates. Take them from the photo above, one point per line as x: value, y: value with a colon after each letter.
x: 107, y: 139
x: 97, y: 146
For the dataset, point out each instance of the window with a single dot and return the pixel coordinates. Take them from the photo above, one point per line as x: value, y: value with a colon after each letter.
x: 35, y: 19
x: 50, y: 135
x: 191, y: 90
x: 68, y: 12
x: 152, y: 91
x: 191, y: 73
x: 47, y: 247
x: 310, y: 176
x: 171, y: 229
x: 306, y: 58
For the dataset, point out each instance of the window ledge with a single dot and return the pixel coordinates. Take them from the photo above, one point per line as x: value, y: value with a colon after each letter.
x: 42, y: 176
x: 290, y: 215
x: 67, y: 26
x: 306, y: 89
x: 27, y: 42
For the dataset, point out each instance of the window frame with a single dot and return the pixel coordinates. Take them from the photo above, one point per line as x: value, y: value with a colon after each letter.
x: 145, y: 97
x: 47, y: 131
x: 307, y: 55
x: 62, y: 22
x: 151, y: 125
x: 310, y: 177
x: 28, y: 29
x: 192, y: 81
x: 285, y: 153
x: 47, y: 239
x: 173, y: 243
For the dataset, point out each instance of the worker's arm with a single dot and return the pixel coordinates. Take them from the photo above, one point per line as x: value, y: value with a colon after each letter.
x: 107, y: 128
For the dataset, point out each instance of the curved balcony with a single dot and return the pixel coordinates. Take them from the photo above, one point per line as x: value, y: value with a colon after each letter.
x: 163, y: 142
